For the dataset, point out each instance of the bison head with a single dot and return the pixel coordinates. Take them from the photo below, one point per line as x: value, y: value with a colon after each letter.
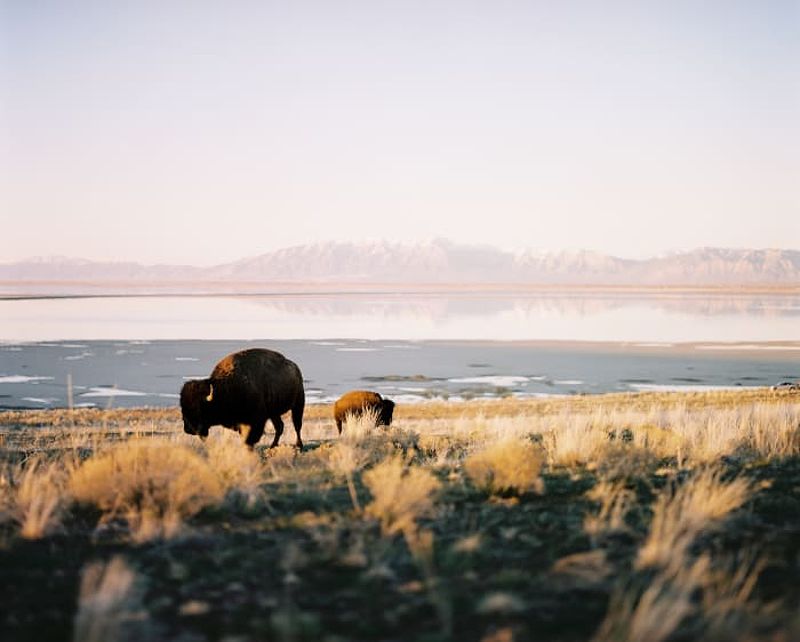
x: 195, y: 398
x: 385, y: 412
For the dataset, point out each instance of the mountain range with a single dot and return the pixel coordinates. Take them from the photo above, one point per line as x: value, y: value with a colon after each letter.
x: 436, y: 262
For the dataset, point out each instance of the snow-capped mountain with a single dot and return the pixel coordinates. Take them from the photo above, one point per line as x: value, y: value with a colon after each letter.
x: 438, y: 261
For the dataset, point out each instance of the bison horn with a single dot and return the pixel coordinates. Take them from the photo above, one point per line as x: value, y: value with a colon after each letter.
x: 210, y: 392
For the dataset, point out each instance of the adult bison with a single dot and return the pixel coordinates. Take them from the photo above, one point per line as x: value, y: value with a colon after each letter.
x: 356, y: 402
x: 245, y: 389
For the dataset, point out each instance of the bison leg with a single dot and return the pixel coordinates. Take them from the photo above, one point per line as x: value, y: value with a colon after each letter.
x: 278, y: 423
x: 339, y: 425
x: 297, y: 421
x: 253, y: 432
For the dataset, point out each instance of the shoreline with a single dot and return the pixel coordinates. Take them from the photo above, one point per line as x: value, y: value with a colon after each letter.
x: 30, y: 289
x: 438, y: 408
x: 789, y: 348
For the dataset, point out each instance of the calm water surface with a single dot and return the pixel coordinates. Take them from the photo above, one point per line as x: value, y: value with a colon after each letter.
x: 136, y: 351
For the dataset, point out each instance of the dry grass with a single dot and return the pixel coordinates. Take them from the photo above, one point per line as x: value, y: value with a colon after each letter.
x: 345, y: 460
x: 725, y: 610
x: 510, y: 466
x: 434, y: 410
x: 653, y: 614
x: 681, y: 514
x: 34, y: 497
x: 153, y: 484
x: 239, y: 470
x: 615, y: 502
x: 148, y: 480
x: 400, y: 494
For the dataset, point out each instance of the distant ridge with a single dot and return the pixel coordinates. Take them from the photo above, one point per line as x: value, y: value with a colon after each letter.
x: 438, y: 261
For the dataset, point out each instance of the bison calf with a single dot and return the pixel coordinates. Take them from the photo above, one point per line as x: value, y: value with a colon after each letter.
x: 246, y: 388
x: 356, y: 402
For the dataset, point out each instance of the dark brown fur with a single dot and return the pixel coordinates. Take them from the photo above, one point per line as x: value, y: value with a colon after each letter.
x: 249, y: 387
x: 356, y: 402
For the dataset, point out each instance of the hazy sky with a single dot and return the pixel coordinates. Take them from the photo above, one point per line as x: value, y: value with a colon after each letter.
x: 205, y: 131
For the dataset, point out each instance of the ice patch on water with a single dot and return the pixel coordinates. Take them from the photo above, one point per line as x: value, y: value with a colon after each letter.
x: 416, y: 399
x: 501, y: 381
x: 46, y: 402
x: 315, y: 400
x: 569, y: 382
x: 356, y: 349
x: 168, y: 395
x: 186, y: 359
x: 540, y: 395
x: 112, y: 392
x: 79, y: 357
x: 654, y: 344
x: 328, y: 343
x: 23, y: 379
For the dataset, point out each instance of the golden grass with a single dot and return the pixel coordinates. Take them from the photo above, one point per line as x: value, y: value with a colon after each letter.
x: 238, y: 469
x: 149, y: 476
x: 681, y: 514
x: 400, y: 494
x: 615, y: 502
x: 655, y: 613
x: 345, y: 460
x: 144, y: 418
x: 511, y: 465
x: 33, y: 496
x: 725, y: 610
x: 142, y: 469
x: 656, y: 610
x: 154, y: 485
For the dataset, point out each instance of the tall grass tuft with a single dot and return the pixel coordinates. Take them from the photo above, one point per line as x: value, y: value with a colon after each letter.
x: 400, y: 494
x: 681, y: 514
x: 615, y: 502
x: 34, y: 497
x: 654, y: 613
x: 513, y: 465
x: 347, y: 458
x: 715, y: 597
x: 152, y: 484
x: 576, y: 439
x: 357, y: 427
x: 238, y: 469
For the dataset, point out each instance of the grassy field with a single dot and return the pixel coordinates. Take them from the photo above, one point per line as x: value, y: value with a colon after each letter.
x: 630, y: 517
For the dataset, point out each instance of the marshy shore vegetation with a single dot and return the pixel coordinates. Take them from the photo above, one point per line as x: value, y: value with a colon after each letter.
x: 651, y: 516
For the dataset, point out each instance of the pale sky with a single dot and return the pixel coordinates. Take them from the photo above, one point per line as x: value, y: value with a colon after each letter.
x: 201, y: 132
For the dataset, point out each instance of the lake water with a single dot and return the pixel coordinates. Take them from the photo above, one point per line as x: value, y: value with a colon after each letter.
x: 133, y: 351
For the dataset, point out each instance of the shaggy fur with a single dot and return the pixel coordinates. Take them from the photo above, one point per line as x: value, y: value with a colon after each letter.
x: 244, y: 390
x: 356, y: 402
